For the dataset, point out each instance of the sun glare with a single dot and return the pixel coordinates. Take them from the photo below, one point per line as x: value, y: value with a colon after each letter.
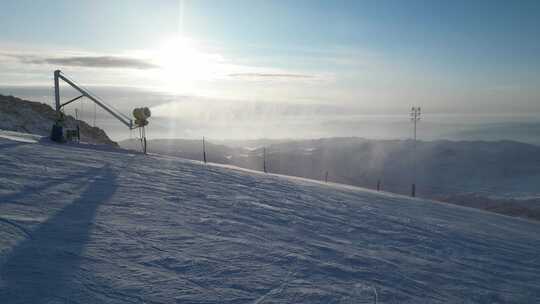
x: 180, y: 62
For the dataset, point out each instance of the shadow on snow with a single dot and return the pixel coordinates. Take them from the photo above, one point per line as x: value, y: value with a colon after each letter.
x: 41, y: 268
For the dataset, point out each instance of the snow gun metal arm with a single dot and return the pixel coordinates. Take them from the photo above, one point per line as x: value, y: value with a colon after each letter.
x: 85, y: 93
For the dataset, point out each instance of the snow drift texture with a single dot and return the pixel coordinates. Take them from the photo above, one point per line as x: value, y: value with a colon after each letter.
x: 84, y: 226
x: 37, y: 118
x: 500, y: 176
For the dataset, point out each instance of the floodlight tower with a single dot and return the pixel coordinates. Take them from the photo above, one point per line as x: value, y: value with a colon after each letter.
x: 415, y: 118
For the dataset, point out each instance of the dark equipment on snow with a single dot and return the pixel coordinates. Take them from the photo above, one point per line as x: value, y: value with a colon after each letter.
x: 57, y: 133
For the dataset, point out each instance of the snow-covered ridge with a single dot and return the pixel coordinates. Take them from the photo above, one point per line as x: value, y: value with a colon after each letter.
x: 37, y: 118
x: 87, y: 226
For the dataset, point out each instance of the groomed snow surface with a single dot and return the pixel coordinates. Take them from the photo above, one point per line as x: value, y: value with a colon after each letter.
x: 79, y: 225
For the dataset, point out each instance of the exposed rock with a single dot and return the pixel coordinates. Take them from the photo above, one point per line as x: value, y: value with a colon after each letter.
x: 37, y: 118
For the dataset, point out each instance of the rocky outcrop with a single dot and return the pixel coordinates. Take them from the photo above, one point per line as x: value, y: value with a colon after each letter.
x: 37, y: 118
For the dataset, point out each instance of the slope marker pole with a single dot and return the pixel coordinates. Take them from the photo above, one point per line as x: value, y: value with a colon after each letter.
x: 264, y: 160
x: 204, y: 150
x: 415, y: 118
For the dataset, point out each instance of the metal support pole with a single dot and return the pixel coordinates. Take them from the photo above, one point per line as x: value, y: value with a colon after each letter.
x: 57, y: 73
x: 204, y: 150
x: 415, y: 117
x: 413, y: 187
x: 78, y: 126
x: 57, y: 90
x: 145, y: 145
x: 264, y: 160
x: 70, y: 101
x: 142, y: 135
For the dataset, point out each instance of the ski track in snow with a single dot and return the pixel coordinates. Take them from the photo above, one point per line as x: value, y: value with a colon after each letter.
x: 79, y: 225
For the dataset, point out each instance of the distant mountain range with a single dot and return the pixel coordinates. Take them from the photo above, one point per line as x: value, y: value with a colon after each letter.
x: 487, y: 175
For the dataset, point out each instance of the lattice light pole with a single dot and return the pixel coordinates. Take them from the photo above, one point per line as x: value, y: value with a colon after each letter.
x: 415, y: 118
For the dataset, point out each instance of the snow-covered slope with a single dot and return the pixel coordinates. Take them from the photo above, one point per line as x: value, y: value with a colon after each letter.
x: 84, y: 226
x: 500, y: 176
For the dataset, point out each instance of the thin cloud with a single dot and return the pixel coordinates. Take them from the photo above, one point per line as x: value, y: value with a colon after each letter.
x: 269, y: 75
x: 88, y: 61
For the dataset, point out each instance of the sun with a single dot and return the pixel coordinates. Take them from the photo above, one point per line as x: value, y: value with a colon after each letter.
x: 175, y: 54
x: 183, y: 65
x: 180, y: 60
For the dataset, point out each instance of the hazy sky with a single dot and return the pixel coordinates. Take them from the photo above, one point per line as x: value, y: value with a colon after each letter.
x: 362, y: 57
